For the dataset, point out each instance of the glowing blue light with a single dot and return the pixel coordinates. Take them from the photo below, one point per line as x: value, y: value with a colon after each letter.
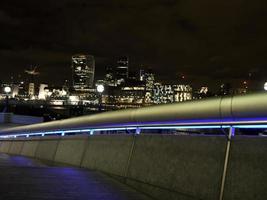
x: 183, y: 127
x: 251, y: 126
x: 232, y: 129
x: 114, y: 129
x: 138, y: 131
x: 253, y: 123
x: 72, y: 131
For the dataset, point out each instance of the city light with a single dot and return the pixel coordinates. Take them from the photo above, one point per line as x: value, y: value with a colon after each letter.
x: 100, y: 88
x: 7, y: 89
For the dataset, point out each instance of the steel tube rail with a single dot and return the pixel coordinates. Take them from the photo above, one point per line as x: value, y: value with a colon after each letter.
x: 223, y: 111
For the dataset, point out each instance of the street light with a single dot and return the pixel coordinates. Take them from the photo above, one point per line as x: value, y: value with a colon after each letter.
x: 100, y: 89
x: 265, y: 86
x: 7, y: 90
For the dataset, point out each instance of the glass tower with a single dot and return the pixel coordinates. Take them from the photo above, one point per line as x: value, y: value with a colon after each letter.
x: 83, y: 70
x: 122, y: 69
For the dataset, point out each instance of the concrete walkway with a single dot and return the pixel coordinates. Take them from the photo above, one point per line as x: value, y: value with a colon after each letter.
x: 22, y: 178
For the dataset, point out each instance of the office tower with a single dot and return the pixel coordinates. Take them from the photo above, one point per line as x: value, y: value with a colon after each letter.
x: 83, y: 70
x: 110, y: 77
x: 148, y: 77
x: 31, y: 89
x: 122, y: 69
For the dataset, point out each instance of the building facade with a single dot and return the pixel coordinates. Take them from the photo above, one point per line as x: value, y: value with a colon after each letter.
x: 122, y: 69
x: 171, y: 93
x: 83, y: 71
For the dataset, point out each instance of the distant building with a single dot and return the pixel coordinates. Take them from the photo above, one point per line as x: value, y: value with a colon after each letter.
x: 42, y: 92
x: 110, y: 77
x: 122, y: 69
x: 171, y: 93
x: 202, y: 92
x: 225, y: 89
x: 31, y: 90
x: 83, y: 70
x: 148, y: 77
x: 53, y: 92
x: 129, y: 94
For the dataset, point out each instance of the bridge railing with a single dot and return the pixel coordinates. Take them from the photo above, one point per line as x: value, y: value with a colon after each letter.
x: 237, y: 112
x: 226, y: 116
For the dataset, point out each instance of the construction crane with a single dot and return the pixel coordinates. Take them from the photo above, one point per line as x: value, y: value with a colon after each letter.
x: 32, y: 71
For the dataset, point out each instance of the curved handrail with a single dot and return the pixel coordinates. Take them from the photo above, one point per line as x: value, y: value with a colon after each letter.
x: 232, y: 110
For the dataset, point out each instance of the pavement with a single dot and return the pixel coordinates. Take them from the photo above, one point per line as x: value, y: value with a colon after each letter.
x: 22, y: 178
x: 8, y: 125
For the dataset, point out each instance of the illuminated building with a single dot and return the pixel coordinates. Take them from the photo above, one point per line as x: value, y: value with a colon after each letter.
x: 182, y: 93
x: 110, y: 77
x: 53, y: 92
x: 31, y: 89
x: 202, y: 92
x: 83, y: 70
x: 128, y: 95
x: 42, y: 93
x: 122, y: 69
x: 171, y: 93
x: 148, y: 78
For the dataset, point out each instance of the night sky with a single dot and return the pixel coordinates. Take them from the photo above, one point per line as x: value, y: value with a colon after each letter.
x: 208, y: 41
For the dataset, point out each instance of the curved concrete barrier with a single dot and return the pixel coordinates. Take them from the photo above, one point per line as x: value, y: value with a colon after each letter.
x: 70, y: 150
x: 247, y: 171
x: 16, y: 147
x: 5, y: 146
x: 178, y: 167
x: 29, y: 148
x: 162, y: 166
x: 46, y: 149
x: 108, y: 153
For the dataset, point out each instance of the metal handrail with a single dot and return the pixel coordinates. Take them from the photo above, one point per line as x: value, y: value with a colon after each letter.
x: 243, y: 111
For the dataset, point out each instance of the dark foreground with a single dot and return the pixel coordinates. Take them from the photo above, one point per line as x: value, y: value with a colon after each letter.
x: 23, y: 178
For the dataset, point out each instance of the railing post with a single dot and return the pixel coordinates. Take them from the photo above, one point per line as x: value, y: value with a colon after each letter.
x: 226, y: 160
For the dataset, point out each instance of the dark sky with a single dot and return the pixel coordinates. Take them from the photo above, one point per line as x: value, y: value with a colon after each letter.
x: 210, y: 41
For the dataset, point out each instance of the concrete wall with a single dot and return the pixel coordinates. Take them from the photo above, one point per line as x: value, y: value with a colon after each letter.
x: 70, y: 150
x: 247, y: 171
x: 46, y: 149
x: 109, y: 154
x: 164, y: 167
x: 189, y: 167
x: 16, y: 147
x: 29, y: 148
x: 5, y: 146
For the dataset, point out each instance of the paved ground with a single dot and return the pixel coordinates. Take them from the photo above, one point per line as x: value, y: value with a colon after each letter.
x: 25, y: 179
x: 9, y: 125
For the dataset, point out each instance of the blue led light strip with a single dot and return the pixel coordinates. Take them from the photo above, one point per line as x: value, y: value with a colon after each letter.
x: 138, y: 129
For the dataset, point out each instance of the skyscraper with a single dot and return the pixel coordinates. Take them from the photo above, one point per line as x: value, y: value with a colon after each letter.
x: 83, y: 70
x: 122, y: 69
x: 148, y: 77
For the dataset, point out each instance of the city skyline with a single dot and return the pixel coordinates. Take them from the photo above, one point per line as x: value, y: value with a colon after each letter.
x: 134, y: 71
x: 210, y: 42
